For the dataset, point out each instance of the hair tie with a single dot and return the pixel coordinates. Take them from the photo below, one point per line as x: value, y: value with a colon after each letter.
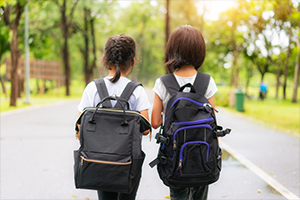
x: 117, y: 66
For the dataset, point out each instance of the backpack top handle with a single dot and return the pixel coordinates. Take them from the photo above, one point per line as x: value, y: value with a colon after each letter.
x: 119, y: 100
x: 188, y: 85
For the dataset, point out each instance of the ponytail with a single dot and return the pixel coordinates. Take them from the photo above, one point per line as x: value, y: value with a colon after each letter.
x: 116, y: 76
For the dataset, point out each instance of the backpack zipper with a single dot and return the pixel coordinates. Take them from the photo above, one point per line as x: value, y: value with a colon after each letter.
x: 184, y: 128
x: 112, y: 110
x: 189, y: 99
x: 200, y: 121
x: 195, y: 102
x: 103, y: 162
x: 187, y: 143
x: 188, y: 127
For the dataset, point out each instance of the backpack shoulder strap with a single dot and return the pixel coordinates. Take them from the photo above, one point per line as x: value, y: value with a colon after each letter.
x: 170, y: 83
x: 201, y: 83
x: 130, y: 87
x: 127, y: 92
x: 102, y: 91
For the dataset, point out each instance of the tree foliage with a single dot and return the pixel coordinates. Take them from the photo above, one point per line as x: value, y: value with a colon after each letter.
x: 250, y: 38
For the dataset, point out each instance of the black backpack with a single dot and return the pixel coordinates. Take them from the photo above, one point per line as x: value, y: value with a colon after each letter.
x: 110, y: 156
x: 189, y: 154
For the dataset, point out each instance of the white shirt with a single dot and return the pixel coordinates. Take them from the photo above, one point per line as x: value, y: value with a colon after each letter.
x: 160, y: 89
x: 138, y: 100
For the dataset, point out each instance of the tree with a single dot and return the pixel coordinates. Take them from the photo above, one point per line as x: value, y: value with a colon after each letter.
x: 226, y: 34
x: 288, y: 52
x: 4, y: 46
x: 167, y: 20
x: 258, y: 40
x: 281, y: 12
x: 296, y: 72
x: 296, y: 17
x: 87, y: 31
x: 66, y: 25
x: 91, y: 11
x: 146, y: 25
x: 184, y: 13
x: 13, y: 24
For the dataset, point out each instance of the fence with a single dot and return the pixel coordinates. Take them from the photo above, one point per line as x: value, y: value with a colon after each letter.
x: 39, y: 69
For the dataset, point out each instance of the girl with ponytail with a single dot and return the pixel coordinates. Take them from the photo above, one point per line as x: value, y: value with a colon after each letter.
x: 119, y: 53
x: 118, y: 58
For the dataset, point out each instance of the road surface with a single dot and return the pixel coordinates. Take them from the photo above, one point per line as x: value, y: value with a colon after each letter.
x: 37, y: 146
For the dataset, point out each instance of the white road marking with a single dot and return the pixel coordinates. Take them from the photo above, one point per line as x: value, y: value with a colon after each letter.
x: 260, y: 173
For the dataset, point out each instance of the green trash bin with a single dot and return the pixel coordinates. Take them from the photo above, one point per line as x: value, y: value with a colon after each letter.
x: 239, y: 100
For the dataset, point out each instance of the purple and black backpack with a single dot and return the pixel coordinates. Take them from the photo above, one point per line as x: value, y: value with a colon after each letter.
x: 189, y: 153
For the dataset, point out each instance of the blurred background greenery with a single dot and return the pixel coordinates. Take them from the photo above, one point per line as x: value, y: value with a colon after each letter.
x: 248, y: 41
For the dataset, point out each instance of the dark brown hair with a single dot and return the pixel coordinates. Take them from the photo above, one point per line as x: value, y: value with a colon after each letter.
x: 185, y: 46
x: 119, y: 51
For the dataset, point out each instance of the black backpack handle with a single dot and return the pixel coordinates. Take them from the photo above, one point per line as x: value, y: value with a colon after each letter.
x: 116, y: 98
x: 193, y: 90
x: 119, y: 100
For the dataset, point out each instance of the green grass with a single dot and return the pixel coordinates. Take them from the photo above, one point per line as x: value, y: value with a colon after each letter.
x: 51, y: 96
x: 279, y: 114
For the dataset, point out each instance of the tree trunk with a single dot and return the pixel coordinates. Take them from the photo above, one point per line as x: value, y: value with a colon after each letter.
x: 65, y: 48
x: 262, y: 76
x: 1, y: 79
x: 20, y: 87
x: 247, y: 85
x: 15, y: 54
x: 287, y: 55
x: 249, y: 74
x: 287, y: 63
x: 234, y: 69
x: 231, y: 83
x: 278, y: 74
x: 238, y: 67
x: 86, y: 49
x: 14, y: 75
x: 94, y: 49
x: 167, y: 20
x: 296, y: 73
x: 3, y: 86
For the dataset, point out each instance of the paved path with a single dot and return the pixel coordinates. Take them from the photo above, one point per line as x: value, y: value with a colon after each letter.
x: 37, y: 158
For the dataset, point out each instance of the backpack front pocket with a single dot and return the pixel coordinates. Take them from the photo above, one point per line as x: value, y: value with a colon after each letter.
x: 102, y: 170
x: 193, y: 158
x: 193, y: 127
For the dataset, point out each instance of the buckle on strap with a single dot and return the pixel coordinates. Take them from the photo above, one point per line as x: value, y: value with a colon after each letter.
x: 159, y: 159
x: 221, y: 133
x: 161, y: 139
x: 154, y: 162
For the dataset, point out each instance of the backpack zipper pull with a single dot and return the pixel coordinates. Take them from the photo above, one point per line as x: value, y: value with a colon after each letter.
x: 81, y: 160
x: 170, y: 129
x: 208, y: 105
x: 179, y: 169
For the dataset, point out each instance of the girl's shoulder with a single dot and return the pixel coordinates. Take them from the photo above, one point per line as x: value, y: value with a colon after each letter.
x: 90, y: 87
